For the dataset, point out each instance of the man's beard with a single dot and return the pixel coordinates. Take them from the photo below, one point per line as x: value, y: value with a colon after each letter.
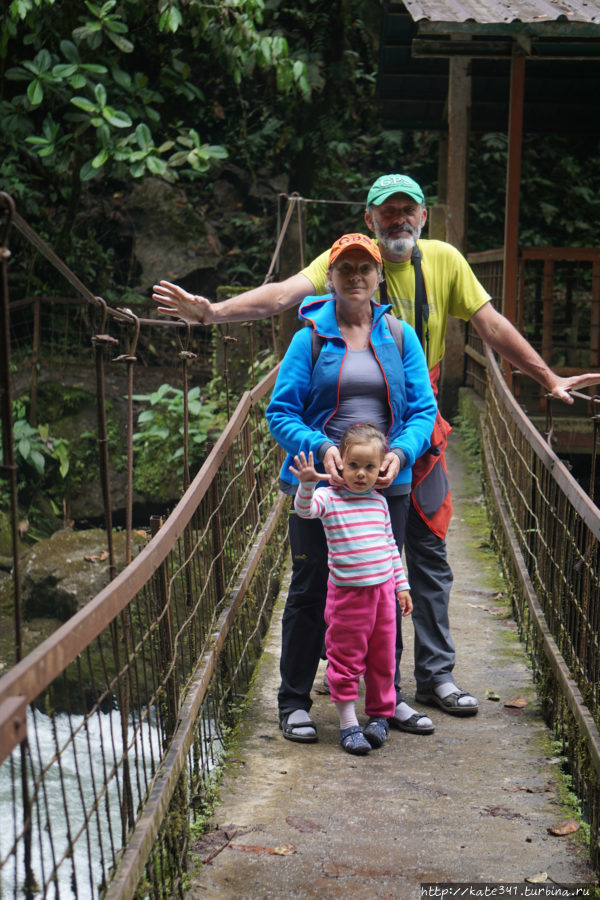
x: 398, y: 246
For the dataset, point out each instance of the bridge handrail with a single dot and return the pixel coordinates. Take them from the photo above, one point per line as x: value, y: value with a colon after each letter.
x: 547, y: 532
x: 586, y: 508
x: 35, y: 672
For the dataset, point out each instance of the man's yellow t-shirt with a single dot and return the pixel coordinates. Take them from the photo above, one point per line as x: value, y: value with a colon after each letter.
x: 452, y: 289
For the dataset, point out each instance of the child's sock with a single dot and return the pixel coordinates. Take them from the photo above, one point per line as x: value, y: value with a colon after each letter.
x: 347, y: 713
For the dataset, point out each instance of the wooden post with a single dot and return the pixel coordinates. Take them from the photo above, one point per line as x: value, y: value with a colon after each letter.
x: 454, y: 193
x: 459, y: 109
x: 547, y: 319
x: 513, y: 183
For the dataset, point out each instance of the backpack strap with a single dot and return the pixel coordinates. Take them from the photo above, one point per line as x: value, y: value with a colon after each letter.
x: 396, y: 330
x: 421, y: 304
x: 316, y: 344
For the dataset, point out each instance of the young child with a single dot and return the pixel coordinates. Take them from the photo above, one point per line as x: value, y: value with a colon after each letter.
x: 365, y: 577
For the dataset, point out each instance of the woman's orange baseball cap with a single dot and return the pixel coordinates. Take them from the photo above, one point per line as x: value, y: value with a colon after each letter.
x: 354, y: 242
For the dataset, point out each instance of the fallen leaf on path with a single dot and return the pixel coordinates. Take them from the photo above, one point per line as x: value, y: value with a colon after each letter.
x: 565, y: 828
x: 283, y: 850
x: 540, y: 878
x: 517, y: 702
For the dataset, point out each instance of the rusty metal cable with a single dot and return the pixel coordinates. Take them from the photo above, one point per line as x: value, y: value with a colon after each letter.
x: 7, y: 206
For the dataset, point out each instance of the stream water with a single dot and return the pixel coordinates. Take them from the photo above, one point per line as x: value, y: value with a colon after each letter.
x: 86, y: 761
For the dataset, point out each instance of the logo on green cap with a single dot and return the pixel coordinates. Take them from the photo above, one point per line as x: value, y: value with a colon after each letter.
x: 386, y: 185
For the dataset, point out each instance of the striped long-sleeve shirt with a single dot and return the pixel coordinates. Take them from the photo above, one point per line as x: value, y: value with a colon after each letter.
x: 360, y: 541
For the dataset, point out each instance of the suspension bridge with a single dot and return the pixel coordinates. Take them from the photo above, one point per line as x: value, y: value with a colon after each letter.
x: 112, y: 729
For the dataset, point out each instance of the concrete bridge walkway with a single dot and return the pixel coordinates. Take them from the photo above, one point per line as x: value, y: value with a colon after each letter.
x: 471, y: 803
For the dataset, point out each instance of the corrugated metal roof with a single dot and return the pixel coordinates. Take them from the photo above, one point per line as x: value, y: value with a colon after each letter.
x: 562, y: 84
x: 505, y: 11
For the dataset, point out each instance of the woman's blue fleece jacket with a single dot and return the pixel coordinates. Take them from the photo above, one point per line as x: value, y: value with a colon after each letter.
x: 305, y: 399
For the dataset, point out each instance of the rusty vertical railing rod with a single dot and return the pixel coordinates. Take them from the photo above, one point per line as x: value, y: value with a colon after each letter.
x: 130, y: 359
x: 8, y: 450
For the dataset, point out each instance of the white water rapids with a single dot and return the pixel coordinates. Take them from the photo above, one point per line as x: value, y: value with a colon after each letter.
x: 86, y: 762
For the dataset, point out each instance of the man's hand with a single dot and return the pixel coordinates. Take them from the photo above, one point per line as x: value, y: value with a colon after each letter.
x: 562, y: 386
x: 503, y: 337
x: 181, y: 304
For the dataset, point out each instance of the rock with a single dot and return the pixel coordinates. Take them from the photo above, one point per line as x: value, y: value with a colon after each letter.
x: 170, y: 238
x: 64, y: 573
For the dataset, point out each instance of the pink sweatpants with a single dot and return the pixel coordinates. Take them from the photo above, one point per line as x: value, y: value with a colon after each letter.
x: 360, y: 641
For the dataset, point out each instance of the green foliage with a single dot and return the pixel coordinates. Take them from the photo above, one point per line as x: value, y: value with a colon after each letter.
x: 109, y: 93
x: 33, y: 446
x: 85, y: 101
x: 106, y: 86
x: 281, y: 95
x: 43, y: 463
x: 158, y: 440
x: 471, y: 437
x: 560, y: 202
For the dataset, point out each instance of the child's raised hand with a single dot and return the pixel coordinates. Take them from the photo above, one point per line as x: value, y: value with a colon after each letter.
x: 305, y: 469
x: 405, y: 601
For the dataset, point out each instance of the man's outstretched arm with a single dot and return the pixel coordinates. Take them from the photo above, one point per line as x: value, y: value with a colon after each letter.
x: 258, y: 303
x: 503, y: 337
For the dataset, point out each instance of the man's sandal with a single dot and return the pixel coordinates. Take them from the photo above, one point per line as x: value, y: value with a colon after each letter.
x: 448, y: 704
x: 411, y: 725
x: 354, y: 741
x: 376, y: 731
x: 291, y: 733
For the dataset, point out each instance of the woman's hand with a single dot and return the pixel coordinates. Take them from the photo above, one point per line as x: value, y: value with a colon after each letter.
x: 388, y: 471
x: 181, y: 304
x: 332, y: 463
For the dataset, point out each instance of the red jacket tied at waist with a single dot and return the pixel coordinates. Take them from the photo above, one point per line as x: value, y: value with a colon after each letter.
x: 430, y: 486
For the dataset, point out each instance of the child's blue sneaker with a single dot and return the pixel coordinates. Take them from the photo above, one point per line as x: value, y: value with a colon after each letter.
x: 353, y: 741
x: 377, y: 731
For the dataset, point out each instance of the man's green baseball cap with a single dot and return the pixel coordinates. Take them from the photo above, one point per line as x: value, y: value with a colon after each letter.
x: 386, y: 185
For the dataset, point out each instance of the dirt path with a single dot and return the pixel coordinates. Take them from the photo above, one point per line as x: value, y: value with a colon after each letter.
x: 471, y: 803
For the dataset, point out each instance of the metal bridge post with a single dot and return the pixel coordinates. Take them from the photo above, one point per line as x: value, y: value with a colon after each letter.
x: 100, y: 341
